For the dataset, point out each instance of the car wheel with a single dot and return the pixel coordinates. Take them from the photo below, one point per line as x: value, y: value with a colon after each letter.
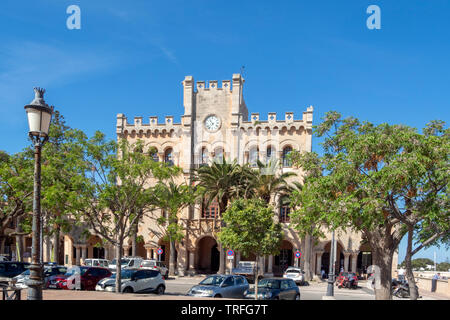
x: 128, y: 290
x: 160, y: 289
x: 297, y: 297
x: 217, y: 296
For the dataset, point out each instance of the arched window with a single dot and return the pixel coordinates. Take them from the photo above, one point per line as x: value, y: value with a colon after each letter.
x: 218, y: 155
x: 286, y: 160
x: 204, y: 159
x: 168, y: 158
x: 270, y: 153
x: 212, y: 211
x: 153, y: 152
x: 285, y: 210
x: 253, y: 156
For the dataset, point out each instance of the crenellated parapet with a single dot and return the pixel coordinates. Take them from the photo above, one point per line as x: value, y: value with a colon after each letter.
x: 150, y: 127
x: 273, y: 123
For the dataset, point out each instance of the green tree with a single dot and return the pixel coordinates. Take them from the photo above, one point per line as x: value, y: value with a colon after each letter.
x: 221, y: 181
x: 16, y: 190
x: 115, y: 199
x: 250, y: 228
x: 172, y: 198
x: 354, y: 181
x: 63, y: 173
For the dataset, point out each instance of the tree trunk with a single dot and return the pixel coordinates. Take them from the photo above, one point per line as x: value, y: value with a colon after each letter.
x: 118, y: 267
x: 221, y: 259
x: 256, y: 278
x: 414, y: 293
x: 382, y: 256
x: 172, y: 257
x: 55, y: 257
x: 133, y: 242
x: 19, y: 240
x: 307, y: 265
x: 2, y: 243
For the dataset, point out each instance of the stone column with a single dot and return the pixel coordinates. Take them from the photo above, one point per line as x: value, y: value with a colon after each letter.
x: 181, y: 260
x: 346, y: 259
x: 354, y: 260
x: 154, y: 254
x: 191, y: 261
x: 77, y: 255
x: 83, y: 253
x: 319, y: 262
x: 148, y: 252
x: 125, y: 250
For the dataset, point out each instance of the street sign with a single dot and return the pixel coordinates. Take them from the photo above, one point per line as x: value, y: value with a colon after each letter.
x: 298, y: 254
x: 160, y: 251
x: 230, y: 254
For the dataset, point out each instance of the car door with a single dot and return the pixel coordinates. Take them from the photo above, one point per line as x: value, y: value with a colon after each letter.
x: 90, y: 278
x: 285, y: 290
x: 140, y: 281
x: 240, y: 287
x: 154, y: 279
x: 227, y: 287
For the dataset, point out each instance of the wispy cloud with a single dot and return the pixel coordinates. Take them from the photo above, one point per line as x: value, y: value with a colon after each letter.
x: 27, y: 64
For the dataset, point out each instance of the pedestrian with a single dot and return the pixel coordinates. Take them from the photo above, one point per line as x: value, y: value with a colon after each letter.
x: 322, y: 273
x: 342, y: 269
x: 437, y: 276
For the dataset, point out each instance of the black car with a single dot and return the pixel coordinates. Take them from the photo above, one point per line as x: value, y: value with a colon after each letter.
x: 10, y: 269
x: 275, y: 289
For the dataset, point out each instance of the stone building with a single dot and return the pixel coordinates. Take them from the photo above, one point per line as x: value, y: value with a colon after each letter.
x: 215, y: 125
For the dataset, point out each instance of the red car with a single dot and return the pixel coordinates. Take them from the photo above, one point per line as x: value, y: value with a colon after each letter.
x: 83, y: 278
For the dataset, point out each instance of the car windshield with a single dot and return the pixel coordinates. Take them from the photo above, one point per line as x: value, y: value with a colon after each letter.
x: 75, y: 270
x: 88, y: 262
x: 269, y: 283
x: 122, y: 261
x: 213, y: 281
x: 125, y: 274
x: 148, y: 263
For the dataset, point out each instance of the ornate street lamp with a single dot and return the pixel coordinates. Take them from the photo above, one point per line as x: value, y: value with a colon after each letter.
x: 39, y: 116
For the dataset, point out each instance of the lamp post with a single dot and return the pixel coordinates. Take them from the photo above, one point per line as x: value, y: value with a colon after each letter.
x: 39, y: 115
x: 331, y: 272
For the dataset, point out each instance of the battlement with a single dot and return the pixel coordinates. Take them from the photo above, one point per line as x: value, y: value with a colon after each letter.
x: 288, y: 118
x: 139, y: 125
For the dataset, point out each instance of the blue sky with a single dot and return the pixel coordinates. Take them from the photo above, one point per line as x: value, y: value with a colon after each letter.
x: 130, y: 57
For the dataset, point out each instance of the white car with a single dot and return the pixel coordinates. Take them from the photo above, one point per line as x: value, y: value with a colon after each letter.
x: 96, y: 263
x: 126, y: 262
x: 134, y: 280
x: 155, y: 265
x: 295, y: 274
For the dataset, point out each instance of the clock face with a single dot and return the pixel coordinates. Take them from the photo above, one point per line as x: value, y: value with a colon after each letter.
x: 212, y: 123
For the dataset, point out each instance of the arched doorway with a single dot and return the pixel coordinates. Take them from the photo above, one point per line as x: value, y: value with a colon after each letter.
x: 284, y: 259
x: 95, y: 248
x: 339, y: 258
x: 364, y: 259
x: 165, y: 256
x: 208, y: 257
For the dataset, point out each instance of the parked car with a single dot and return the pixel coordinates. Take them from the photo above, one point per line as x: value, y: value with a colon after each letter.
x: 275, y: 289
x: 158, y: 265
x: 246, y: 269
x: 96, y: 263
x: 88, y: 276
x: 126, y: 263
x: 10, y: 269
x: 134, y: 280
x: 220, y: 286
x: 3, y: 258
x: 295, y: 274
x: 49, y: 272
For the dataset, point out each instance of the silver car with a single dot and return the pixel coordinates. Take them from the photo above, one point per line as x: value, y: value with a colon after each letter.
x: 49, y: 272
x: 220, y: 286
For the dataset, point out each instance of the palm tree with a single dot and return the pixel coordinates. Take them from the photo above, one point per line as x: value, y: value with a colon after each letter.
x: 221, y: 182
x: 267, y: 183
